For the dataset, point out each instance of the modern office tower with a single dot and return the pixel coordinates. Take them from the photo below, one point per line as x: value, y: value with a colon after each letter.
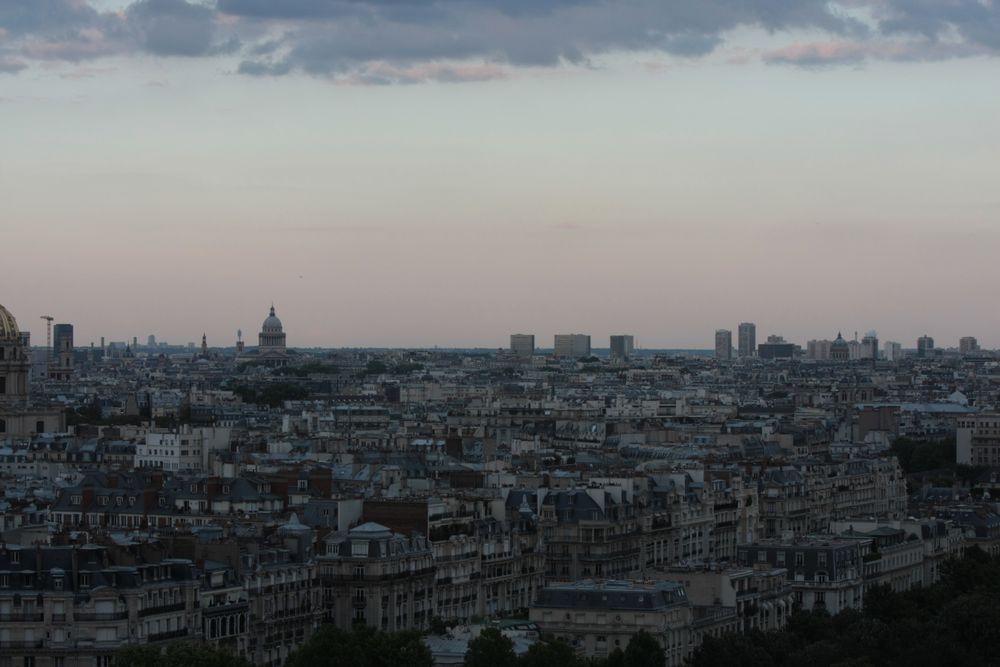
x: 62, y: 343
x: 925, y: 346
x: 622, y: 346
x: 818, y: 350
x: 151, y: 341
x: 776, y: 347
x: 968, y: 345
x: 723, y: 344
x: 892, y: 351
x: 747, y: 339
x: 572, y: 345
x: 522, y: 345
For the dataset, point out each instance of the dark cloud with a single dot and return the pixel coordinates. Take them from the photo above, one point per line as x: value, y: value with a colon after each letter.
x: 173, y: 27
x: 10, y: 66
x: 261, y: 68
x: 406, y: 41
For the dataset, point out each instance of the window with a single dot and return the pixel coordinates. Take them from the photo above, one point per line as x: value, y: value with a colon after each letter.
x: 4, y: 581
x: 761, y: 556
x: 84, y: 580
x: 15, y: 557
x: 781, y: 558
x: 821, y: 559
x: 800, y: 559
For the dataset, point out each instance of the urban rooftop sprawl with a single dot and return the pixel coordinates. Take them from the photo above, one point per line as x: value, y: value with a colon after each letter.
x: 246, y: 495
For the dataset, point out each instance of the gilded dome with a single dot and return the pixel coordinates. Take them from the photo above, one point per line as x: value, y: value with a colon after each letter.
x: 8, y: 326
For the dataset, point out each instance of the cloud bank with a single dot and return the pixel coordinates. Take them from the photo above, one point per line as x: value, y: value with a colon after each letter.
x: 412, y: 41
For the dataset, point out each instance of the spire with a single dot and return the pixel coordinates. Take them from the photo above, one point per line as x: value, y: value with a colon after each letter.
x: 272, y: 309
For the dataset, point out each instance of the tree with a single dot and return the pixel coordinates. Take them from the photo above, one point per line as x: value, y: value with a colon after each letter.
x: 363, y: 646
x: 491, y: 649
x: 180, y: 654
x: 644, y: 650
x: 549, y: 654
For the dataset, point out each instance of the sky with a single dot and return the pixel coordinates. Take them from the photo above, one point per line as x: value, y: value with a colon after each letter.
x: 412, y: 173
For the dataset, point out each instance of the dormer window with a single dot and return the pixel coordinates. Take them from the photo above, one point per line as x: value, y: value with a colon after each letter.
x: 75, y: 500
x: 85, y: 580
x: 103, y: 500
x: 119, y: 500
x: 225, y: 489
x: 131, y: 500
x: 194, y: 488
x: 15, y: 557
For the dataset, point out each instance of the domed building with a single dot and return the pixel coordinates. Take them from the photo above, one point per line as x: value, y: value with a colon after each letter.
x: 839, y: 349
x: 272, y: 335
x: 18, y: 417
x: 271, y: 348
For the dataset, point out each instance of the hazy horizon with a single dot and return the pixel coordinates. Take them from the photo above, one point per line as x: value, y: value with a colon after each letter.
x: 448, y: 173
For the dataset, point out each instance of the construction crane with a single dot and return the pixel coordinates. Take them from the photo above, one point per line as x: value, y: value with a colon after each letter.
x: 48, y: 343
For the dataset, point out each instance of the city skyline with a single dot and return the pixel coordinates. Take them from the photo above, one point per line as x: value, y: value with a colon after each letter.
x: 38, y: 336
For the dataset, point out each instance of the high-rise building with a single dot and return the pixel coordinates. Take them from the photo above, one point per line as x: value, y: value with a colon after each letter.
x: 622, y: 346
x: 925, y: 346
x: 968, y: 345
x: 151, y: 341
x: 869, y: 346
x: 747, y: 339
x: 776, y: 347
x: 818, y: 349
x: 522, y: 345
x: 572, y: 345
x: 62, y: 342
x: 723, y: 344
x: 892, y: 351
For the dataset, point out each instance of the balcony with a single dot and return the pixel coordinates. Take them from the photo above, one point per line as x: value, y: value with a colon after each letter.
x: 162, y: 609
x: 22, y: 617
x: 109, y: 616
x: 21, y: 645
x: 166, y: 636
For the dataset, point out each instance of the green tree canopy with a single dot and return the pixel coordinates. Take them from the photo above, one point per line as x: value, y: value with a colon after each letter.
x: 491, y: 649
x: 644, y: 650
x: 180, y: 654
x: 363, y: 646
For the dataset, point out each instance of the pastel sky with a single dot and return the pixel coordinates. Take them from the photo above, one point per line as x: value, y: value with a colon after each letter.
x: 447, y: 172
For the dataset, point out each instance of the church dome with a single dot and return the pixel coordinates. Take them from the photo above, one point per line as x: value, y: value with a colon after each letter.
x: 840, y: 342
x: 272, y: 324
x: 8, y: 326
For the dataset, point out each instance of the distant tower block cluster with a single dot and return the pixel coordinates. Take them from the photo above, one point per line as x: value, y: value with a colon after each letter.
x: 925, y: 346
x: 747, y: 333
x: 573, y: 346
x: 723, y: 344
x: 622, y: 346
x: 522, y: 345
